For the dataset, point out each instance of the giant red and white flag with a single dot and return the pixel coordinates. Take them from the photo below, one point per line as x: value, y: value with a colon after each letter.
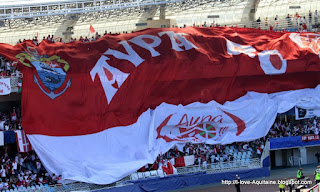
x: 98, y: 111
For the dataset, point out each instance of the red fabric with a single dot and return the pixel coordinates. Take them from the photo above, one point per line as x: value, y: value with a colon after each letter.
x: 155, y: 166
x: 92, y: 29
x: 304, y: 26
x: 179, y: 162
x: 169, y: 169
x: 175, y: 77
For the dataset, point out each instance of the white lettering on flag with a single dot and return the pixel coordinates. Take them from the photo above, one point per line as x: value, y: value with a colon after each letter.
x: 237, y: 49
x: 108, y: 76
x: 112, y: 78
x: 183, y: 41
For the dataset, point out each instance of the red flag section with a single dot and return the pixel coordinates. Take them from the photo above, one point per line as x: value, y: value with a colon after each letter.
x: 184, y: 161
x: 168, y: 169
x: 81, y: 88
x: 92, y: 29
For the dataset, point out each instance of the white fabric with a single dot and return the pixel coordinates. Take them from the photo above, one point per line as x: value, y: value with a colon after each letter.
x: 2, y: 125
x: 188, y: 160
x: 5, y: 87
x: 1, y: 138
x: 110, y: 155
x: 22, y: 141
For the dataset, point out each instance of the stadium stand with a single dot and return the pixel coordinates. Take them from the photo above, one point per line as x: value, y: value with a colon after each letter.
x: 62, y: 21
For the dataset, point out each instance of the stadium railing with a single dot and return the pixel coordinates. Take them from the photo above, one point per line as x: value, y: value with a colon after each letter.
x: 209, y: 168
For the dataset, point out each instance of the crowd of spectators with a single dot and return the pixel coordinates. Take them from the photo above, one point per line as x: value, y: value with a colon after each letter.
x: 10, y: 120
x: 208, y: 154
x: 302, y: 127
x: 23, y: 170
x: 298, y: 23
x: 8, y: 68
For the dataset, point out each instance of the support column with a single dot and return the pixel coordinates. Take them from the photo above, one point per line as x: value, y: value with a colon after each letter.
x: 303, y: 155
x: 162, y: 12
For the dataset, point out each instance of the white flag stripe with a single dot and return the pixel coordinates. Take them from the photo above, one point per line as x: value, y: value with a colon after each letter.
x: 22, y: 141
x: 188, y: 160
x: 124, y: 150
x: 1, y: 138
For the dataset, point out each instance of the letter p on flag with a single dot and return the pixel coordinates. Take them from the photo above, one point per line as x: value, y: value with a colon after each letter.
x: 91, y: 29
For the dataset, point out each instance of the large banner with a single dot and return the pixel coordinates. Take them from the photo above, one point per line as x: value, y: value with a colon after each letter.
x: 302, y: 113
x: 98, y: 111
x: 5, y: 86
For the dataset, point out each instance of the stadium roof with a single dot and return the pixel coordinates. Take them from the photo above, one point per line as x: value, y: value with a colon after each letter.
x: 29, y: 2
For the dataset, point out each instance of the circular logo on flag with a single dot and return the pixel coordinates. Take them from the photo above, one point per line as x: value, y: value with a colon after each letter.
x: 209, y: 131
x: 272, y: 62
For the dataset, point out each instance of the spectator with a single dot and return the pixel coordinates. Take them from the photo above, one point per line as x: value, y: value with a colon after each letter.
x: 289, y: 20
x: 310, y: 17
x: 266, y: 21
x: 258, y: 21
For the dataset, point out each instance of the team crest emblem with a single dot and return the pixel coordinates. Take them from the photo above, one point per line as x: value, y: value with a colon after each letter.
x: 52, y: 71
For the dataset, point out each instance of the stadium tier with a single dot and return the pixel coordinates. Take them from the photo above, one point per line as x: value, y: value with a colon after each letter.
x: 159, y: 95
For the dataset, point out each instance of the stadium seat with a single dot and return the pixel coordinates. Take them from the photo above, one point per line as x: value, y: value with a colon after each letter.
x: 160, y: 173
x: 140, y: 175
x: 134, y: 176
x: 147, y: 174
x: 153, y: 173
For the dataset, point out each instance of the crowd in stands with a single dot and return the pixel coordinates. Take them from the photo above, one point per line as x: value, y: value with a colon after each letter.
x: 303, y: 127
x: 209, y: 154
x: 8, y: 68
x: 296, y: 22
x: 10, y: 120
x: 300, y: 23
x: 23, y: 170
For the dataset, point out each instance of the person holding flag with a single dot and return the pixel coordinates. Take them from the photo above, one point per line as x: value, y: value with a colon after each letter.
x: 91, y: 31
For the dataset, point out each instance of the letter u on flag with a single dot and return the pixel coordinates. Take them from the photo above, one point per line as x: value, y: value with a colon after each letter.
x: 23, y: 142
x: 92, y: 29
